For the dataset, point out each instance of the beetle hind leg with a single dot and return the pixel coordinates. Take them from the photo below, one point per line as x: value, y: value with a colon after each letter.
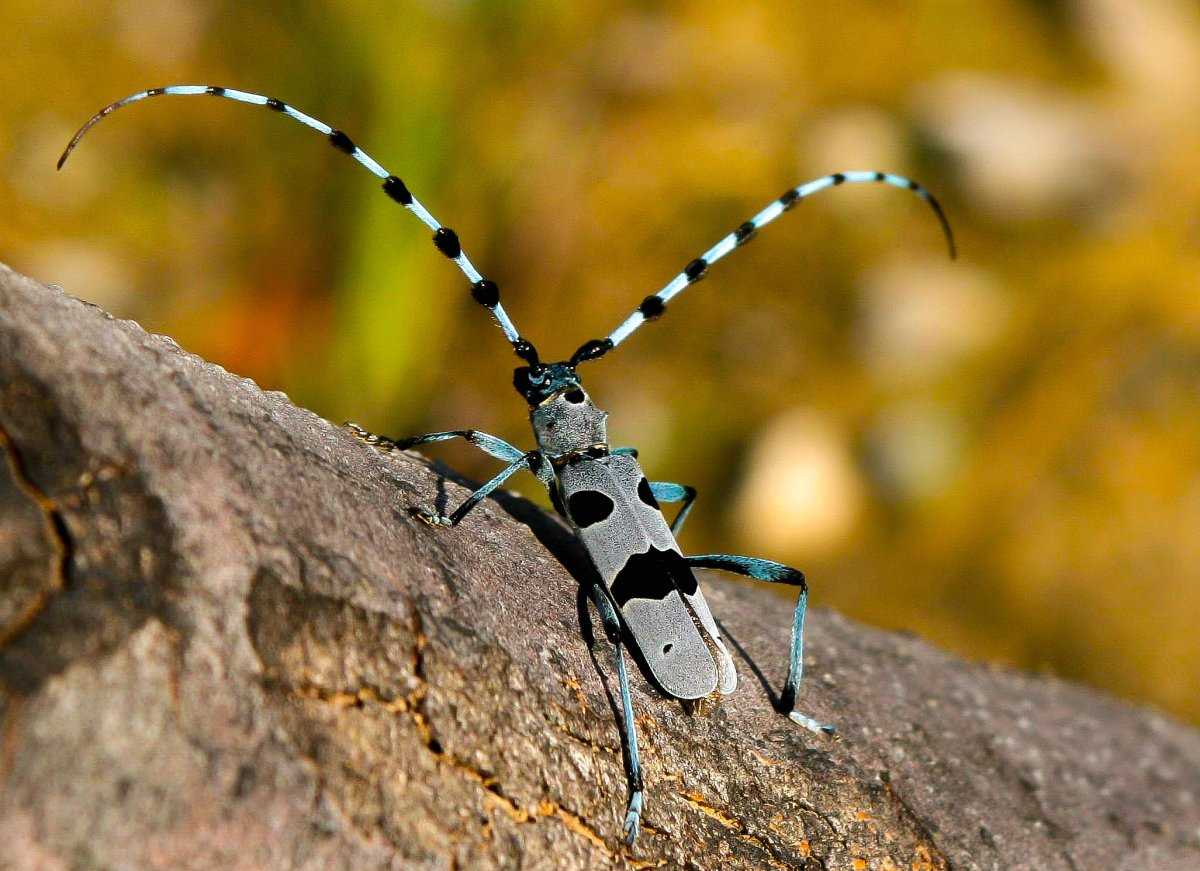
x: 787, y: 700
x: 633, y: 818
x: 776, y: 573
x: 633, y: 767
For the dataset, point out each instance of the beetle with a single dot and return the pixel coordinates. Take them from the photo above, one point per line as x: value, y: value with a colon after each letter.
x: 647, y: 592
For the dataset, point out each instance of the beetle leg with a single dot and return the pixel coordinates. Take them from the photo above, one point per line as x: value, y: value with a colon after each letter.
x: 531, y: 461
x: 489, y: 444
x: 633, y: 768
x: 776, y: 573
x: 666, y: 492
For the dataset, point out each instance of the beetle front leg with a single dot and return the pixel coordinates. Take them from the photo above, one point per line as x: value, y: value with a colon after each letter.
x: 532, y: 461
x: 493, y: 446
x: 489, y: 444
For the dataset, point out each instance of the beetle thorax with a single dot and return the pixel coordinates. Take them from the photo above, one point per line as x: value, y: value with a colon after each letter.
x: 568, y: 423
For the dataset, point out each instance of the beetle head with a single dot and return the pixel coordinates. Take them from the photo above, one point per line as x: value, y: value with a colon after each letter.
x: 539, y: 382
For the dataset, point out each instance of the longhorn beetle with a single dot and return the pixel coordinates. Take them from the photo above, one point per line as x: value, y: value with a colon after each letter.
x: 649, y: 593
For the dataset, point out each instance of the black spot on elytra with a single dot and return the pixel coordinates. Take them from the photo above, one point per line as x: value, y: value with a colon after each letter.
x: 587, y: 507
x: 575, y: 396
x: 653, y: 575
x: 652, y: 307
x: 646, y: 494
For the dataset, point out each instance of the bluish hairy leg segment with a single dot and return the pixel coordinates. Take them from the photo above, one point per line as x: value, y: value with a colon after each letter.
x: 489, y: 444
x: 633, y: 767
x: 776, y: 573
x: 666, y: 492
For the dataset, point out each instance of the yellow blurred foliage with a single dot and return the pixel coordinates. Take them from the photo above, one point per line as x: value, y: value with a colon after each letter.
x: 1001, y: 454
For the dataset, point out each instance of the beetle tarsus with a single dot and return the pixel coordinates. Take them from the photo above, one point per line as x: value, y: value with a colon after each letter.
x: 811, y: 724
x: 437, y: 521
x: 633, y: 818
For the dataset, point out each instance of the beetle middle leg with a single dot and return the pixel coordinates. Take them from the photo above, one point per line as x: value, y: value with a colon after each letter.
x: 666, y: 492
x: 776, y: 573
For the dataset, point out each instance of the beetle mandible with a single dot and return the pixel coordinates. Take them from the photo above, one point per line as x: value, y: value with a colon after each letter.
x: 647, y: 590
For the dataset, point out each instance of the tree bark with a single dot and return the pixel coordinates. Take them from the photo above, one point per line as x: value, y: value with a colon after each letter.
x: 224, y: 643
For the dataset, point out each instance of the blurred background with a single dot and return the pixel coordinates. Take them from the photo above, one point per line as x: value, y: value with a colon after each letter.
x: 1001, y: 454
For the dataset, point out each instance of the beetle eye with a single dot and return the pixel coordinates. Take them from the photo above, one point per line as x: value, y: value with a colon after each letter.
x: 575, y: 396
x: 537, y: 377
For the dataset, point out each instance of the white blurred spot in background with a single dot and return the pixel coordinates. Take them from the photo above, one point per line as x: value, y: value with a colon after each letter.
x: 802, y: 492
x: 921, y: 316
x: 1024, y: 150
x: 82, y: 268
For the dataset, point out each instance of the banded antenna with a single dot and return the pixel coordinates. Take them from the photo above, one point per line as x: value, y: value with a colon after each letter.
x: 485, y: 291
x: 653, y: 306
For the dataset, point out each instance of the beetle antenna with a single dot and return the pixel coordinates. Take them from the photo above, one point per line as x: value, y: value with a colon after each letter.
x: 653, y: 307
x: 485, y: 291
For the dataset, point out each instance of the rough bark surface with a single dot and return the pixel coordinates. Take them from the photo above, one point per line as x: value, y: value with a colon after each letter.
x: 224, y: 643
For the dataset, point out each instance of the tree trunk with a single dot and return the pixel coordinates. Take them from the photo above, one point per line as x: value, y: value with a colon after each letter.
x: 224, y: 643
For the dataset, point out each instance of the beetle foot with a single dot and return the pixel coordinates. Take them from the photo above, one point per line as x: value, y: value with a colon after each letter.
x: 437, y: 521
x: 383, y: 444
x: 811, y: 724
x: 633, y: 818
